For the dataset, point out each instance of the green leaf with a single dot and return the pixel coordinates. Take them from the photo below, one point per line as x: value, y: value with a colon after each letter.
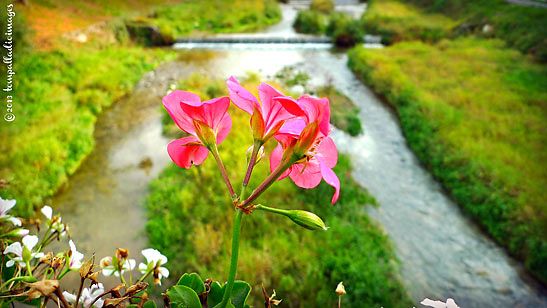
x: 183, y: 297
x: 193, y: 281
x: 149, y: 304
x: 215, y: 294
x: 240, y: 293
x: 132, y: 306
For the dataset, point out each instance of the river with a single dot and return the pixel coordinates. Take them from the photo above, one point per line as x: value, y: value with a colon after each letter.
x: 443, y: 254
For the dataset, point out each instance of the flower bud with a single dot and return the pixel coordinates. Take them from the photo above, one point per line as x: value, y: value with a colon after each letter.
x: 340, y: 289
x: 259, y: 155
x: 27, y: 254
x: 307, y: 220
x: 205, y: 133
x: 257, y: 125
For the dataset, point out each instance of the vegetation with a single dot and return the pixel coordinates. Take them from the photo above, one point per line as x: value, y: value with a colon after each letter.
x: 344, y: 30
x: 521, y: 27
x: 396, y: 21
x: 59, y: 93
x: 344, y: 114
x: 309, y: 22
x: 323, y: 6
x: 214, y: 16
x: 303, y: 279
x: 474, y: 113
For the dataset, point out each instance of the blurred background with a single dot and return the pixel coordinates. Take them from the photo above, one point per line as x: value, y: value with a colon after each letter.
x: 439, y: 109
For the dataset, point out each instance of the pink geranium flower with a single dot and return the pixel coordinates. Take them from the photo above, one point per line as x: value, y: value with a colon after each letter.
x: 269, y: 115
x: 307, y: 137
x: 206, y: 121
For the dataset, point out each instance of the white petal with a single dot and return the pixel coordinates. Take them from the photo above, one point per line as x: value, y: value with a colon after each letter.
x: 10, y: 263
x: 164, y: 271
x: 23, y: 232
x: 129, y: 265
x: 15, y: 221
x: 107, y: 271
x: 14, y: 248
x: 99, y: 303
x: 150, y: 254
x: 142, y: 268
x: 69, y: 296
x: 47, y: 211
x: 5, y: 206
x: 38, y: 255
x: 30, y: 241
x: 450, y: 303
x: 432, y: 303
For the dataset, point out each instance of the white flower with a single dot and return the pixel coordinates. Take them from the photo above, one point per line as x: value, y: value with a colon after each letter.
x: 29, y: 241
x: 5, y: 207
x: 108, y: 267
x: 88, y: 296
x: 55, y: 222
x: 47, y: 211
x: 76, y: 257
x: 450, y: 303
x: 154, y: 260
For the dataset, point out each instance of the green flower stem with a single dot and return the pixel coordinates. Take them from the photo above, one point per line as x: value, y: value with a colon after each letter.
x: 283, y: 166
x: 256, y: 148
x: 233, y: 262
x: 214, y: 151
x: 271, y: 209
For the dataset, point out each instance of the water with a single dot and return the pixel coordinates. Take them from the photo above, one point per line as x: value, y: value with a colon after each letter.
x: 442, y: 253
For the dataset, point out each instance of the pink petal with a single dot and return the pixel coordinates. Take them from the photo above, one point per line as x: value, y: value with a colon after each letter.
x: 242, y: 98
x: 172, y: 101
x: 330, y: 177
x: 266, y: 94
x: 275, y: 160
x: 293, y: 127
x: 291, y: 105
x: 327, y: 152
x: 210, y: 112
x: 224, y: 128
x: 187, y: 155
x: 317, y: 109
x: 306, y: 175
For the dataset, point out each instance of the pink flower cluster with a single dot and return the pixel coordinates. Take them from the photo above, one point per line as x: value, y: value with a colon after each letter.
x: 305, y: 152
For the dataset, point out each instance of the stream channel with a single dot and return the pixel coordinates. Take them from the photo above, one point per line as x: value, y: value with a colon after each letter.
x: 443, y: 254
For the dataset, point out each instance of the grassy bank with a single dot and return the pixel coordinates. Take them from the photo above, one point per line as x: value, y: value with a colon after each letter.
x: 474, y: 113
x: 60, y: 92
x: 303, y: 266
x: 521, y: 27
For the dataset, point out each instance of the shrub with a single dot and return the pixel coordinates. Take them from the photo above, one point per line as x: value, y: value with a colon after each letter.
x: 323, y: 6
x: 310, y: 22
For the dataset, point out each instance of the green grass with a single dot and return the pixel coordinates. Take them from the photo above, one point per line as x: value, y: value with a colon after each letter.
x: 215, y: 16
x: 396, y: 21
x: 58, y: 96
x: 521, y: 27
x: 190, y: 219
x: 60, y: 93
x: 474, y: 112
x: 343, y: 112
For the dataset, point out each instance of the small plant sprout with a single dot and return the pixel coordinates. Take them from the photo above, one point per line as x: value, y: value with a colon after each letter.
x: 340, y: 290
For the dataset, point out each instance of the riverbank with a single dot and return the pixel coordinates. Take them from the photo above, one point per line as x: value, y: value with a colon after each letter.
x: 473, y: 111
x: 61, y: 89
x: 269, y: 242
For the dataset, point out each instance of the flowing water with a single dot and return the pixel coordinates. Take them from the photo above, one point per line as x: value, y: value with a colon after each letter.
x: 442, y: 253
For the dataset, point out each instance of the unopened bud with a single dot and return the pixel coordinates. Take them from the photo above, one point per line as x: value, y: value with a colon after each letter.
x: 340, y: 289
x: 105, y: 262
x: 205, y: 133
x: 307, y: 220
x: 18, y: 232
x: 27, y: 254
x: 259, y: 155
